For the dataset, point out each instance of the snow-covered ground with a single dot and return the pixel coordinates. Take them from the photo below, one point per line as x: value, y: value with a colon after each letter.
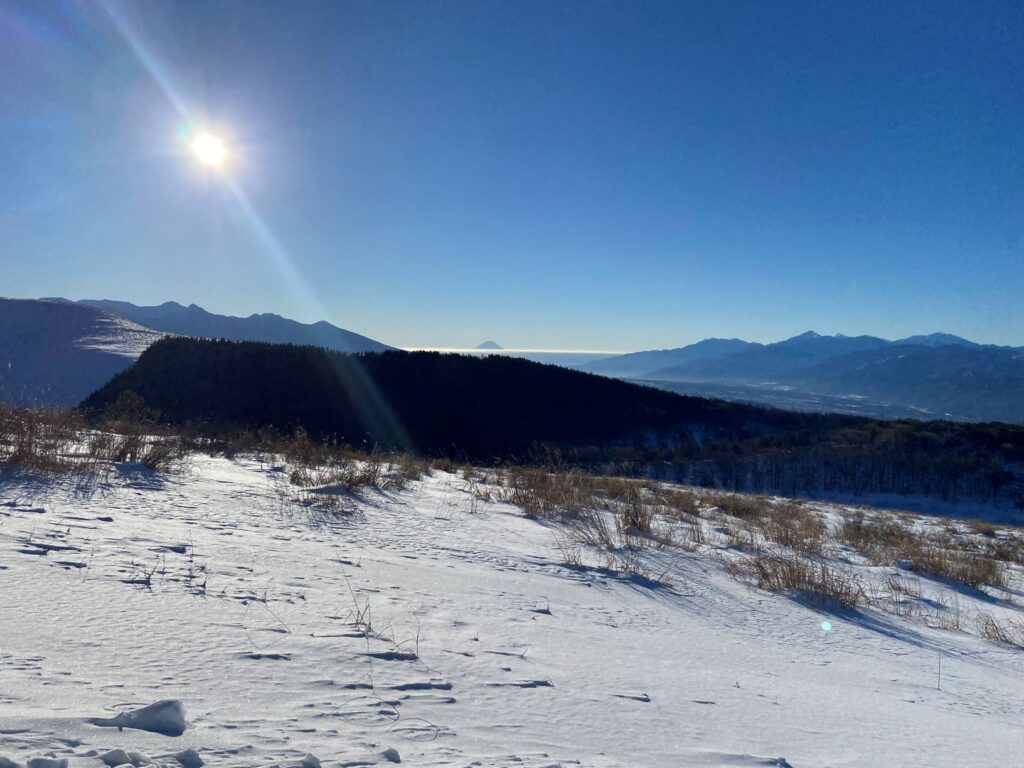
x: 211, y: 588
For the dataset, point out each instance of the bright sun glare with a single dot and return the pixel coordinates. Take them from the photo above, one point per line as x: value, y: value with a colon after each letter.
x: 209, y: 149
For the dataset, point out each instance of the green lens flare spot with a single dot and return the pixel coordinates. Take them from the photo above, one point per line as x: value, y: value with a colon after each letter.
x: 184, y: 132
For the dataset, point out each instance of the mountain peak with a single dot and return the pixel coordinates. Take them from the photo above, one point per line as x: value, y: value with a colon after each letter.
x: 939, y: 339
x: 193, y: 320
x: 489, y: 345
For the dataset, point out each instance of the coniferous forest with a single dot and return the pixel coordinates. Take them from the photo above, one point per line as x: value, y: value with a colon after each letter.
x: 499, y: 408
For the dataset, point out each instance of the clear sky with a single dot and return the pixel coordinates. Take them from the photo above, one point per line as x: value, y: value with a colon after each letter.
x: 572, y: 175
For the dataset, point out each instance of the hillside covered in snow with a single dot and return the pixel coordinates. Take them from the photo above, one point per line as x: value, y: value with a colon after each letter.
x: 355, y: 613
x: 55, y: 353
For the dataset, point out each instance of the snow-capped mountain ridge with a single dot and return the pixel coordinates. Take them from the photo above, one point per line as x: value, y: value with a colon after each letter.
x: 55, y: 353
x: 193, y: 320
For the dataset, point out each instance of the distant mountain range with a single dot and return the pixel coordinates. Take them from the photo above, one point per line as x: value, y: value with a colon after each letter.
x: 55, y: 354
x: 933, y: 376
x: 193, y: 320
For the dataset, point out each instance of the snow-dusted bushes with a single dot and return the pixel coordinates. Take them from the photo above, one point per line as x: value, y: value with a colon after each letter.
x: 1006, y: 632
x: 59, y: 442
x: 736, y: 505
x: 37, y: 439
x: 791, y: 525
x: 605, y: 522
x: 541, y: 492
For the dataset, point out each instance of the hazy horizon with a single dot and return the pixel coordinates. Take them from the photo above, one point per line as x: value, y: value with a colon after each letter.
x: 441, y: 347
x: 569, y: 176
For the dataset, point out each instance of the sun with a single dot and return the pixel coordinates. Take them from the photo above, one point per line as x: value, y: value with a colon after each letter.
x: 209, y: 149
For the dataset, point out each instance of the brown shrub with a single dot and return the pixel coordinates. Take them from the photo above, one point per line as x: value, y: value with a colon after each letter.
x: 790, y: 573
x: 792, y: 526
x: 736, y: 505
x: 889, y: 542
x: 541, y: 493
x: 1007, y: 633
x: 683, y: 503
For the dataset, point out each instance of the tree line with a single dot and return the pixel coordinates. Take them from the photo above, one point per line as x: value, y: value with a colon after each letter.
x: 499, y: 408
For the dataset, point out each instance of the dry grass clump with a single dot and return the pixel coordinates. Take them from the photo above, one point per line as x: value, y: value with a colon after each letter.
x: 761, y: 522
x: 319, y: 464
x: 156, y: 453
x: 793, y: 526
x: 613, y: 513
x: 355, y: 472
x: 325, y: 478
x: 59, y: 442
x: 608, y: 512
x: 409, y: 467
x: 38, y: 440
x: 636, y: 516
x: 348, y: 475
x: 877, y: 540
x: 609, y: 519
x: 443, y: 464
x: 890, y: 542
x: 1009, y: 549
x: 965, y: 567
x: 737, y: 505
x: 601, y: 535
x: 546, y: 494
x: 903, y: 596
x: 811, y: 578
x: 1006, y: 632
x: 685, y: 504
x: 983, y: 528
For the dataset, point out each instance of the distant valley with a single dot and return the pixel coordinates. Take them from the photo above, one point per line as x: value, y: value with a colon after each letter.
x: 938, y: 376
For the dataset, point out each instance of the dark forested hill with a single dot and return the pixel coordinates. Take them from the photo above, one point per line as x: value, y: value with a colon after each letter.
x: 497, y: 407
x: 477, y: 406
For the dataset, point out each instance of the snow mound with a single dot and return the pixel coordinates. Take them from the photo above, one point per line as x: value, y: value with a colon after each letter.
x: 164, y: 717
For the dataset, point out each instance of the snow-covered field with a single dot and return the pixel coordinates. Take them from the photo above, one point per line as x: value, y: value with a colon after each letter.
x: 435, y: 628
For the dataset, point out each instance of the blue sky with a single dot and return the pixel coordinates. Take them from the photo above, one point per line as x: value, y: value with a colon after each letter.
x: 571, y: 175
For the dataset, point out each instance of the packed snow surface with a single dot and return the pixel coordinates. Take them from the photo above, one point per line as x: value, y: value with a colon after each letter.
x: 135, y: 606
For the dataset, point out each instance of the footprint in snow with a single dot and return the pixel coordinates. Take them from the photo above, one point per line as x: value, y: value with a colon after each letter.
x: 392, y: 655
x: 367, y: 710
x: 255, y: 656
x: 525, y: 684
x: 633, y: 696
x: 432, y: 685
